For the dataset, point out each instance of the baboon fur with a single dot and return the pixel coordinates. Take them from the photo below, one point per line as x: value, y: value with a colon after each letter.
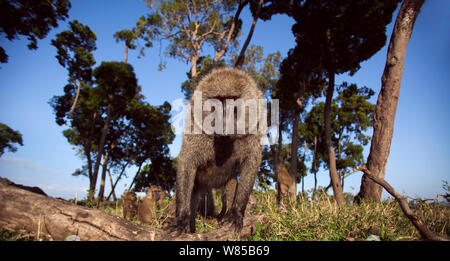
x: 209, y: 161
x: 129, y: 205
x: 285, y: 183
x: 154, y: 200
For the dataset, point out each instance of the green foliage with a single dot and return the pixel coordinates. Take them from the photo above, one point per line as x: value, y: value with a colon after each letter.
x: 116, y: 84
x: 137, y: 131
x: 161, y: 171
x: 75, y: 47
x: 128, y: 36
x: 345, y: 33
x: 188, y: 25
x: 9, y: 136
x: 265, y: 70
x: 352, y: 115
x: 30, y: 18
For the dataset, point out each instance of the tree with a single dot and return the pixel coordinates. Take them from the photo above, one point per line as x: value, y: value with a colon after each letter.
x: 345, y: 33
x: 352, y: 115
x: 255, y: 12
x: 9, y: 136
x: 116, y: 87
x: 299, y: 82
x: 143, y: 136
x: 190, y: 24
x: 152, y: 134
x: 84, y: 124
x: 75, y: 47
x: 31, y: 18
x: 128, y: 36
x: 161, y: 171
x: 388, y: 99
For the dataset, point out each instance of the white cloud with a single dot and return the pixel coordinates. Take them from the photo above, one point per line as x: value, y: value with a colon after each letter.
x: 25, y: 165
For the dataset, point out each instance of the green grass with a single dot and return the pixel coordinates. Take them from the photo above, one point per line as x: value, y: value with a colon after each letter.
x: 321, y: 220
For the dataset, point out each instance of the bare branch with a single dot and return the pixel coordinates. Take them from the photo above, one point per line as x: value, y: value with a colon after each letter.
x: 426, y: 233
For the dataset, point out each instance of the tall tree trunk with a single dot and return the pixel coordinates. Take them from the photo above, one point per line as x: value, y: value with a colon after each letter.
x: 313, y: 167
x: 101, y: 149
x: 219, y: 54
x: 135, y: 176
x: 280, y: 144
x: 76, y: 98
x: 335, y: 182
x: 240, y: 59
x: 125, y: 59
x: 88, y: 152
x: 303, y: 176
x: 117, y: 181
x: 101, y: 191
x: 194, y: 60
x: 340, y: 171
x: 294, y: 151
x: 112, y: 183
x: 387, y: 99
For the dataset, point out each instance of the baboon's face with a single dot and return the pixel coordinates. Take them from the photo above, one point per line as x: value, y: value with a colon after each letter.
x: 130, y: 196
x: 225, y: 103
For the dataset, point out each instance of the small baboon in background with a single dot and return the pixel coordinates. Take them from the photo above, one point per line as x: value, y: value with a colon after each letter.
x: 285, y: 184
x: 155, y: 200
x: 129, y: 205
x: 208, y: 161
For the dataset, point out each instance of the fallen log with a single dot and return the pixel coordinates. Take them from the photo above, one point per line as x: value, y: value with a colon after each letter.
x: 57, y: 219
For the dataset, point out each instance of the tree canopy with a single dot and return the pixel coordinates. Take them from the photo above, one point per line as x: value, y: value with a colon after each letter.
x: 8, y: 137
x: 30, y: 18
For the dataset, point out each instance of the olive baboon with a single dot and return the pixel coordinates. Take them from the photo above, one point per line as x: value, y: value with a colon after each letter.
x: 154, y: 200
x: 210, y: 160
x: 285, y: 183
x: 129, y: 205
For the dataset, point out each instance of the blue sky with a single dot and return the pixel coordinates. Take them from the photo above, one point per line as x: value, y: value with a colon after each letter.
x: 420, y: 152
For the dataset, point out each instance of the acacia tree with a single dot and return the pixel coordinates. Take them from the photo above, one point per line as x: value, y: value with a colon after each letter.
x: 345, y: 33
x: 75, y: 47
x: 190, y: 24
x: 388, y: 99
x: 30, y: 18
x: 9, y: 136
